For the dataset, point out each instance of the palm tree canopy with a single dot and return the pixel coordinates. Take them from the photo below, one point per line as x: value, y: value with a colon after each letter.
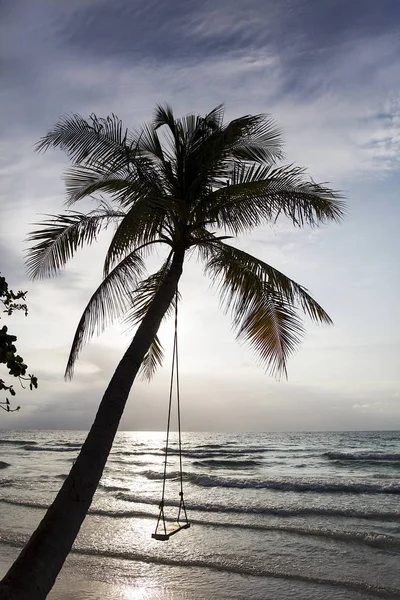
x: 189, y: 183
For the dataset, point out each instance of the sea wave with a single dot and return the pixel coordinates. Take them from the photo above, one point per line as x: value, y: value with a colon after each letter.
x: 25, y: 503
x: 373, y: 539
x: 213, y: 445
x: 6, y: 482
x: 122, y: 514
x: 363, y: 456
x: 17, y: 442
x: 71, y: 444
x: 216, y: 463
x: 157, y: 475
x: 222, y: 452
x: 126, y: 463
x: 277, y: 511
x: 4, y: 465
x: 30, y: 448
x: 112, y: 488
x: 294, y: 486
x: 137, y: 453
x: 101, y: 485
x: 368, y: 538
x: 207, y: 453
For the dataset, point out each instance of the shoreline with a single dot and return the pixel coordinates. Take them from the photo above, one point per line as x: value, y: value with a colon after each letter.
x: 71, y: 585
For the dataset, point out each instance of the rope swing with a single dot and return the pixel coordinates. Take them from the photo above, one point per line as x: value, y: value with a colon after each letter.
x: 164, y: 531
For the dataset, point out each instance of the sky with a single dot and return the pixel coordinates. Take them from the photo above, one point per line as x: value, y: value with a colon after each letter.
x: 328, y: 72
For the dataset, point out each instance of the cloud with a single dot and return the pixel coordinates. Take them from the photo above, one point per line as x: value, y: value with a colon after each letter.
x: 329, y: 74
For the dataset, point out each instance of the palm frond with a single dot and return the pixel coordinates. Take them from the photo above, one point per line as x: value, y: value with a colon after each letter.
x: 254, y: 138
x: 144, y: 293
x: 61, y: 235
x: 108, y: 303
x: 82, y: 182
x: 149, y: 142
x: 196, y: 128
x: 204, y: 148
x: 215, y: 118
x: 261, y: 143
x: 263, y: 316
x: 260, y: 194
x: 105, y: 150
x: 213, y: 151
x: 148, y: 219
x: 164, y: 115
x: 100, y: 142
x: 218, y: 255
x: 272, y: 329
x: 152, y: 360
x: 150, y: 146
x: 141, y: 299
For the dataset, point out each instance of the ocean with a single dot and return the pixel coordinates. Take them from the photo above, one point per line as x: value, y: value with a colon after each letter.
x: 274, y: 516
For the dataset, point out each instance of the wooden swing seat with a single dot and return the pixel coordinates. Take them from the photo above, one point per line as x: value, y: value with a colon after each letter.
x: 170, y: 530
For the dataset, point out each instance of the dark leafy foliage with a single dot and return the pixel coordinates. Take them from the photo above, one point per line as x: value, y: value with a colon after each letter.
x: 8, y: 352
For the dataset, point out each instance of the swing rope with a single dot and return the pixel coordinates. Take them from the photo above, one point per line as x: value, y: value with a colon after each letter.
x: 182, y: 508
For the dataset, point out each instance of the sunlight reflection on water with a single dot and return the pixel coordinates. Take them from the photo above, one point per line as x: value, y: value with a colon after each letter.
x: 136, y: 593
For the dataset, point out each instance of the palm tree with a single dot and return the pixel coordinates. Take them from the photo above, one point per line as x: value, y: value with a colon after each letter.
x: 188, y: 185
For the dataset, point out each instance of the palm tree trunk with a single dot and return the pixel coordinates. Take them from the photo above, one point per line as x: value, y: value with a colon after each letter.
x: 34, y: 572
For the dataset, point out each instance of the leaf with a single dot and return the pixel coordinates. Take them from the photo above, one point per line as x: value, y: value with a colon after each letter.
x: 92, y: 143
x: 272, y: 328
x: 260, y: 194
x: 261, y: 302
x: 108, y: 303
x: 60, y: 237
x: 82, y: 182
x: 143, y: 295
x: 153, y: 359
x: 141, y: 299
x: 223, y: 256
x: 141, y: 226
x: 262, y: 143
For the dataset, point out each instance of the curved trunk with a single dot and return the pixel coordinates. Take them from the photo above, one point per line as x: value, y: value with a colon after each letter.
x: 33, y: 574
